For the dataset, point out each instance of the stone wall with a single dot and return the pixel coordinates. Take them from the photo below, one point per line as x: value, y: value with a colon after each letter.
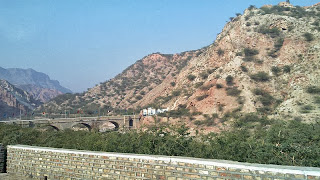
x: 2, y: 159
x: 50, y: 163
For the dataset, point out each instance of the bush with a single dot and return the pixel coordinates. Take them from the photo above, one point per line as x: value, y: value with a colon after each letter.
x: 248, y: 24
x: 248, y: 59
x: 173, y: 84
x: 260, y: 76
x: 200, y: 98
x: 286, y: 69
x: 206, y: 87
x: 220, y: 52
x: 306, y: 108
x: 176, y: 93
x: 198, y: 84
x: 313, y: 90
x: 219, y: 86
x: 317, y: 99
x: 244, y: 68
x: 275, y: 70
x: 191, y: 77
x: 234, y: 91
x: 239, y: 54
x: 210, y: 71
x: 138, y: 97
x: 308, y: 36
x: 273, y: 32
x: 204, y: 75
x: 266, y: 99
x: 250, y: 52
x: 229, y: 80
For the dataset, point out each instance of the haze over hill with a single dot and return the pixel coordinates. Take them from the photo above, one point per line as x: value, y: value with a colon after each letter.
x: 36, y: 83
x: 265, y: 60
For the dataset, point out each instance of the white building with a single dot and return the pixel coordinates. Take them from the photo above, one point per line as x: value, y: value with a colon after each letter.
x: 150, y: 111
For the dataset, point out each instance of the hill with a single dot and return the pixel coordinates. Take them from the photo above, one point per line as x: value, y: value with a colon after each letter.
x: 265, y: 61
x: 14, y: 101
x: 36, y: 83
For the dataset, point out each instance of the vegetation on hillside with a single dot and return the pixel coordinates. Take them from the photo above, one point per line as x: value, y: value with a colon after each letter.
x: 252, y: 138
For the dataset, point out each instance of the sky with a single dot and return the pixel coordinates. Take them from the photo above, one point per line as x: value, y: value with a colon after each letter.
x: 81, y: 43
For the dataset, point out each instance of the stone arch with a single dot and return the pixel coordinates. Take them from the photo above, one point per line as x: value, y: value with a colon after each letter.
x: 115, y: 124
x: 47, y: 127
x: 78, y: 126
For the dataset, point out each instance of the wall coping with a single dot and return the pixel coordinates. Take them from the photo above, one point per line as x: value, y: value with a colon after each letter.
x: 311, y: 171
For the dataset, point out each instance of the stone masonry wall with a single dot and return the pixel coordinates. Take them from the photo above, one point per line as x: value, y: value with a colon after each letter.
x: 1, y: 159
x: 51, y: 163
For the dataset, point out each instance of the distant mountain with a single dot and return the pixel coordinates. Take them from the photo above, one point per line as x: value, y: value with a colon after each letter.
x: 36, y: 83
x: 13, y: 100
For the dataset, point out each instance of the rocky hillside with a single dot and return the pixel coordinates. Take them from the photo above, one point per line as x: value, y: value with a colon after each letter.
x: 265, y: 61
x: 13, y: 100
x: 36, y: 83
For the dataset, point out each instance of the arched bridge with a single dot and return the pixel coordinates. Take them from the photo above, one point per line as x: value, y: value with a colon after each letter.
x: 102, y: 123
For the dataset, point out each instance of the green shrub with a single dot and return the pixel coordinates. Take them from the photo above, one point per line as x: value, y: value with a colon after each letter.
x: 239, y: 54
x: 308, y: 36
x: 219, y: 86
x: 266, y: 99
x: 317, y: 99
x: 210, y: 71
x: 286, y: 69
x: 229, y: 80
x: 173, y: 83
x: 233, y: 91
x: 220, y: 52
x: 244, y: 68
x: 248, y: 59
x: 191, y: 77
x: 248, y: 24
x: 275, y: 70
x: 176, y: 93
x: 138, y: 97
x: 203, y: 75
x: 273, y: 32
x: 260, y: 76
x: 313, y: 90
x: 250, y: 52
x: 206, y: 87
x: 198, y: 84
x: 306, y: 108
x: 200, y: 98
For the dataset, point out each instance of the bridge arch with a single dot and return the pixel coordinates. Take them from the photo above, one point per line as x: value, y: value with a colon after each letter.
x: 115, y: 124
x: 130, y: 122
x: 80, y: 126
x: 50, y: 127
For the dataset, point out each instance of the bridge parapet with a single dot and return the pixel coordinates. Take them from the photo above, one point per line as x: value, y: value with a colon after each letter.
x: 59, y: 164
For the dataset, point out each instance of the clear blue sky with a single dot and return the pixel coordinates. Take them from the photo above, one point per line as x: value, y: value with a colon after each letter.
x: 84, y: 42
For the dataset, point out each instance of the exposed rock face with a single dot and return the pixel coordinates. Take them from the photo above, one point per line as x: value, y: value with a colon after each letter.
x: 263, y: 61
x: 36, y: 83
x: 14, y: 100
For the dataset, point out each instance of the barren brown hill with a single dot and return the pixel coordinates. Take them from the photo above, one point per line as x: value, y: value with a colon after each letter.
x: 264, y: 61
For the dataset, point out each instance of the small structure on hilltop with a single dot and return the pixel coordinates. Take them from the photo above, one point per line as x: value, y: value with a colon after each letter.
x: 151, y: 111
x: 285, y: 4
